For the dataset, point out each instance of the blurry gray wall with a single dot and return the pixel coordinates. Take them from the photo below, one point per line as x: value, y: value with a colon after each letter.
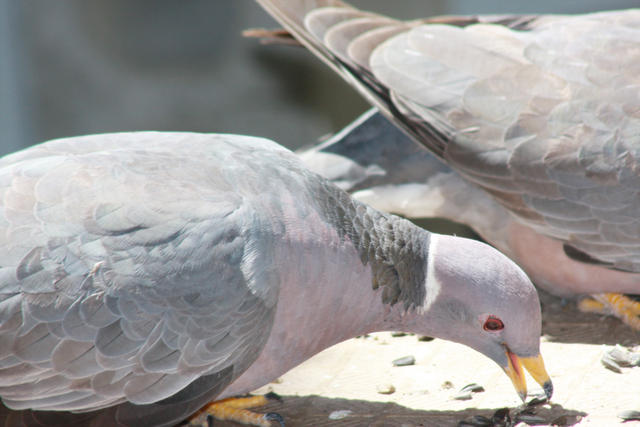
x: 71, y: 67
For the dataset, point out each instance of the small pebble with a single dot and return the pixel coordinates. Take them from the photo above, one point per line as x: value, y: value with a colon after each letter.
x: 609, y: 363
x: 404, y: 361
x: 623, y: 357
x: 501, y: 418
x: 425, y: 338
x: 398, y: 334
x: 532, y: 420
x: 340, y: 414
x: 476, y: 421
x: 385, y: 389
x: 473, y: 387
x: 447, y: 385
x: 629, y: 415
x: 462, y: 395
x: 566, y: 420
x: 467, y: 391
x: 537, y: 401
x: 527, y: 411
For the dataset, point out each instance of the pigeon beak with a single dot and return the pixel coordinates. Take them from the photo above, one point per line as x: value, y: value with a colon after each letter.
x: 535, y: 366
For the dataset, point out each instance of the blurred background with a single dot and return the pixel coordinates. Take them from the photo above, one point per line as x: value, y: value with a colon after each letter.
x: 72, y: 67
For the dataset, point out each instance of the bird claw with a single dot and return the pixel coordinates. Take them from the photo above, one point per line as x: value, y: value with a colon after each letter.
x: 618, y: 305
x: 274, y: 416
x: 590, y: 305
x: 236, y: 409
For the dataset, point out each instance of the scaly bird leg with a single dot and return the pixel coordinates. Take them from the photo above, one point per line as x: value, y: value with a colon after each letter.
x: 236, y: 409
x: 618, y: 305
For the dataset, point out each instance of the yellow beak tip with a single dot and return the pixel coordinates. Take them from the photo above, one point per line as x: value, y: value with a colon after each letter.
x: 535, y: 366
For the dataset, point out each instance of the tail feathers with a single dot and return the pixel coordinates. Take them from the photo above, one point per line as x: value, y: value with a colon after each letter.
x: 311, y: 21
x: 291, y: 14
x: 345, y: 38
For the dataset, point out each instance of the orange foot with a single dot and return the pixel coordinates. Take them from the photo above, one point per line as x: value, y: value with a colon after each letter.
x: 618, y: 305
x: 236, y: 409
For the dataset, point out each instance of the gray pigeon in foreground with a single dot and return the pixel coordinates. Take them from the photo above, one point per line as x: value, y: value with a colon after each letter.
x: 143, y: 274
x: 539, y: 117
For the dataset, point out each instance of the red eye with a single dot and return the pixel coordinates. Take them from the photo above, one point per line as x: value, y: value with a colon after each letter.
x: 493, y: 324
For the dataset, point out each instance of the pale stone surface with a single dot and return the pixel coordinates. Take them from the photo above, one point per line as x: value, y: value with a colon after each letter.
x: 351, y: 370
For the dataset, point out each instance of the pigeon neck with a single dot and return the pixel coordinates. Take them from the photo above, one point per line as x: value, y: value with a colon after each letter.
x: 394, y: 248
x: 352, y: 271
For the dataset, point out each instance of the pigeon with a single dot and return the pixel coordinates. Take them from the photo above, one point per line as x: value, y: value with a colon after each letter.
x: 143, y: 274
x: 536, y: 117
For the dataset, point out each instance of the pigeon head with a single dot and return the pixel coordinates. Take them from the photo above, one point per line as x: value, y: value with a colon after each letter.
x: 478, y: 297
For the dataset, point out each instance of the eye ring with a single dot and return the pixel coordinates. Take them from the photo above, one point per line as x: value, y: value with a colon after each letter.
x: 493, y: 324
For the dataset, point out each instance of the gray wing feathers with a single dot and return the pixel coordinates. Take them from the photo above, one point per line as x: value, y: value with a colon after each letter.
x: 549, y: 121
x: 543, y: 117
x: 293, y: 14
x: 121, y: 289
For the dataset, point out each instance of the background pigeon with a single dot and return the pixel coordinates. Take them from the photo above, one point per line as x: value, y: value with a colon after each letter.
x: 541, y: 113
